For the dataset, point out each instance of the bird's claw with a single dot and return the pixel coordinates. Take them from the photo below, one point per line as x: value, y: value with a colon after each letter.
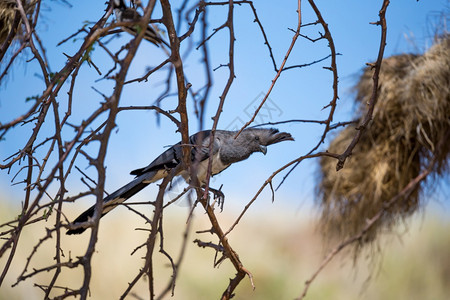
x: 219, y: 196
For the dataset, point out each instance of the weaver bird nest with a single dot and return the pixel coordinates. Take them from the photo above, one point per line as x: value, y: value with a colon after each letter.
x: 410, y: 128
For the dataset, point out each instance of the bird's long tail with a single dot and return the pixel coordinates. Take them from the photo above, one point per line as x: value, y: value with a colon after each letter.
x: 113, y: 200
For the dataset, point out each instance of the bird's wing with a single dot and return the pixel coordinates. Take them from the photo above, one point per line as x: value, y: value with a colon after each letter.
x: 172, y: 157
x: 169, y: 159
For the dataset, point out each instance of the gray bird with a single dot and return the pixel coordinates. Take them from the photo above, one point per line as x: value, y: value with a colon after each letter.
x: 226, y: 150
x: 128, y: 14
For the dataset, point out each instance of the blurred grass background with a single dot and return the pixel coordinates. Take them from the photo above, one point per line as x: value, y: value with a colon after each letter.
x: 280, y: 246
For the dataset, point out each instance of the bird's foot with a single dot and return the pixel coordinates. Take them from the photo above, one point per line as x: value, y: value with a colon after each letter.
x: 219, y: 196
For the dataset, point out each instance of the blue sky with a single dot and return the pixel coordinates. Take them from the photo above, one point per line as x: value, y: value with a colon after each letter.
x: 299, y: 94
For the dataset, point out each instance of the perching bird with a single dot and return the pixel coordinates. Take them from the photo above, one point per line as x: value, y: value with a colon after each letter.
x: 226, y: 150
x: 128, y: 14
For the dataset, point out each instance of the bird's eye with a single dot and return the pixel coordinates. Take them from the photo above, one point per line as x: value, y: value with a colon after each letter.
x: 257, y: 138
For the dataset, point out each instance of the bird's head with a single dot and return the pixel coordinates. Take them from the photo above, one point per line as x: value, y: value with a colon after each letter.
x: 257, y: 139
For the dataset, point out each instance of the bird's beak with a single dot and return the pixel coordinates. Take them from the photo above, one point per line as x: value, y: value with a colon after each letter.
x: 263, y: 149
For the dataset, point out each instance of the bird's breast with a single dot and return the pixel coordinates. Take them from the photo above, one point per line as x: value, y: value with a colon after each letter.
x: 217, y: 167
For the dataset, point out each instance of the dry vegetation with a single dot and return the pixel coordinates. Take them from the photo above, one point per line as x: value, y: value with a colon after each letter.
x: 409, y: 131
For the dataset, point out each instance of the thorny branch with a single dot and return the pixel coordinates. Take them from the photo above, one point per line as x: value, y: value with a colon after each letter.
x: 333, y: 68
x: 341, y: 157
x: 291, y: 46
x: 373, y: 99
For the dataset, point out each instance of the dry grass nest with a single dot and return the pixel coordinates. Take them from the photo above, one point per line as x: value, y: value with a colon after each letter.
x: 7, y: 15
x: 410, y: 128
